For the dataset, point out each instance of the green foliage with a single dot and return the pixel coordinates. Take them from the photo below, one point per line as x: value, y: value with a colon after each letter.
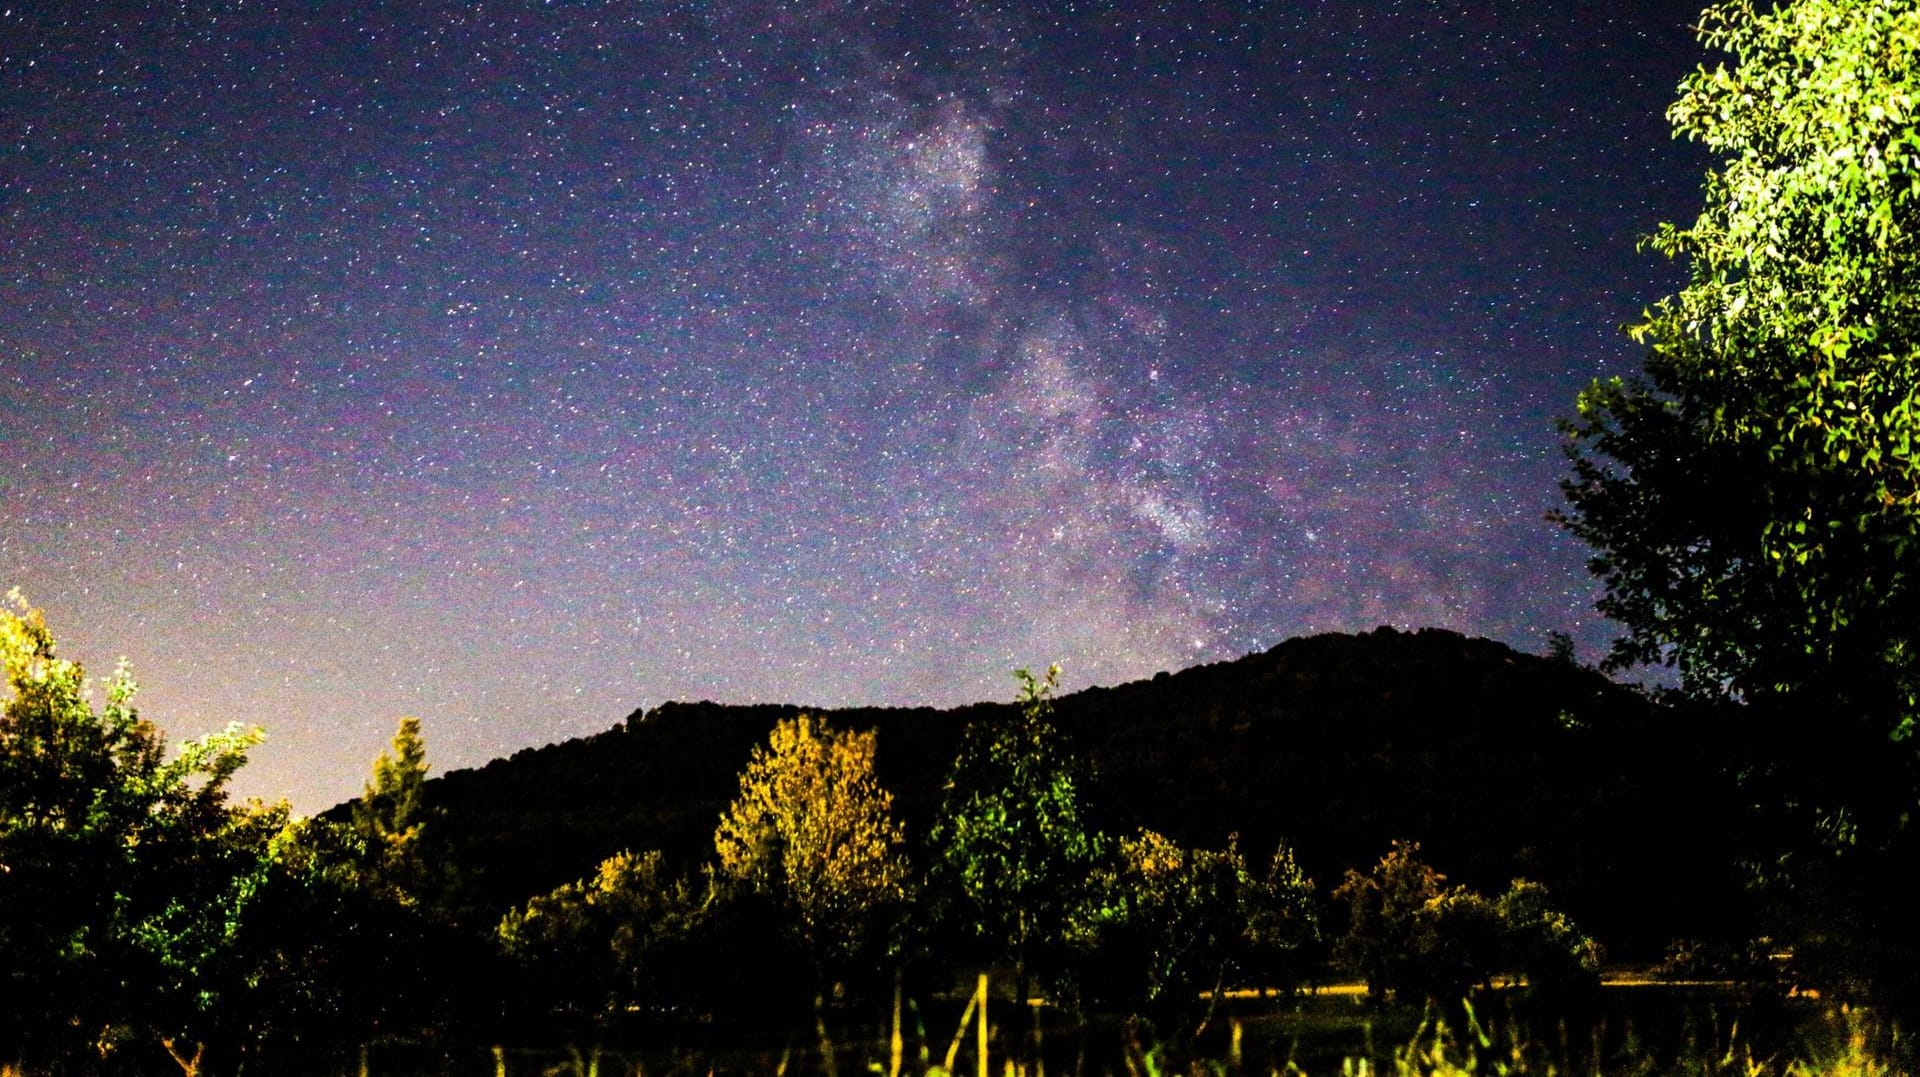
x: 1754, y: 498
x: 128, y: 884
x: 391, y: 820
x: 595, y: 943
x: 1168, y: 924
x: 394, y: 805
x: 1282, y: 923
x: 1014, y: 850
x: 1544, y: 944
x: 1409, y: 934
x: 1388, y: 923
x: 390, y: 946
x: 812, y: 829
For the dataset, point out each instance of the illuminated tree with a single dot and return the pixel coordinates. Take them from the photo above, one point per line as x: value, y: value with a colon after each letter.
x: 596, y: 942
x: 1544, y: 944
x: 1015, y: 852
x: 1282, y: 921
x: 1754, y: 498
x: 1408, y: 933
x: 127, y: 882
x: 391, y: 818
x: 812, y: 829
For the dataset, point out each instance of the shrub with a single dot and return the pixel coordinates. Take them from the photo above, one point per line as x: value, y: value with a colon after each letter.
x: 1409, y: 933
x: 593, y: 946
x: 1543, y: 943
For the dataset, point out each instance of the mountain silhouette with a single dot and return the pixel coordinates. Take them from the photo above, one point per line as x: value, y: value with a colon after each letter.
x: 1502, y: 764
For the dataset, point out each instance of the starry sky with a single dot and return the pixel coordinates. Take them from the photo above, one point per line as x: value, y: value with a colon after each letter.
x: 518, y: 363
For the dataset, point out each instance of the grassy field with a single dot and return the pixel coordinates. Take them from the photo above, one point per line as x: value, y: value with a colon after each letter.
x: 1706, y: 1030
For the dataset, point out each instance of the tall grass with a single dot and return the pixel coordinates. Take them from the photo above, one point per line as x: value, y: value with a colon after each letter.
x: 1837, y: 1042
x: 1840, y: 1042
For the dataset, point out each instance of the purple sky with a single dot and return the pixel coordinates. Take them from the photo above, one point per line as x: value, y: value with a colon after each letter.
x: 517, y: 364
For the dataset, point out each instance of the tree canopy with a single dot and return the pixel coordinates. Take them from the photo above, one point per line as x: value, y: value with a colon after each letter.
x: 1013, y: 842
x: 128, y: 883
x: 596, y: 942
x: 1753, y: 498
x: 1168, y: 926
x: 812, y: 829
x: 391, y: 820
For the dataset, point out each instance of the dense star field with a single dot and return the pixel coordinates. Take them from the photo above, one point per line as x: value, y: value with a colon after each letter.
x: 515, y: 364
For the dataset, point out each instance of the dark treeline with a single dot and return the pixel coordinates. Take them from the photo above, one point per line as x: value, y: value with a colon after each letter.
x: 1421, y: 811
x: 1501, y: 764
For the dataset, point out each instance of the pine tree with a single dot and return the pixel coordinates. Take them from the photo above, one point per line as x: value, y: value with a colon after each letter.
x: 392, y: 818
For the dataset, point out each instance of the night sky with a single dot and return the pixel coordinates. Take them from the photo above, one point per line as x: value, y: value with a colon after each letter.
x: 518, y: 364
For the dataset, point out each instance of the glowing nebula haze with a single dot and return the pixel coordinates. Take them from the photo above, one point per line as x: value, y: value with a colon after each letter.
x: 517, y: 364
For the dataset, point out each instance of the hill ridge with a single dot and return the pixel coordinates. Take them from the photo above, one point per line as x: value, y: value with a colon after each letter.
x: 1503, y: 763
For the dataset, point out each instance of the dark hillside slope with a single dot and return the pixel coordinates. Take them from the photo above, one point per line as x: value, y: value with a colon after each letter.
x: 1501, y: 763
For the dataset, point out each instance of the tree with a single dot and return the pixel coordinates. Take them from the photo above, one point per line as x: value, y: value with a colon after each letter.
x: 1753, y: 499
x: 595, y: 943
x: 1171, y: 926
x: 1282, y: 922
x: 128, y: 884
x: 1408, y: 933
x: 1014, y: 852
x: 812, y: 829
x: 324, y: 959
x: 426, y: 951
x: 1560, y: 648
x: 1544, y: 944
x: 391, y: 819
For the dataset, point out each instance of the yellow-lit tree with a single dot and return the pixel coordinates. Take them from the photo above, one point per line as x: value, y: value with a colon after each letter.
x: 595, y: 942
x: 813, y: 830
x: 391, y: 819
x: 1170, y: 926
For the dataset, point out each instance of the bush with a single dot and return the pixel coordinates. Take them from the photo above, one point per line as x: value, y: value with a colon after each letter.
x: 1409, y: 934
x: 595, y: 946
x: 1543, y: 944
